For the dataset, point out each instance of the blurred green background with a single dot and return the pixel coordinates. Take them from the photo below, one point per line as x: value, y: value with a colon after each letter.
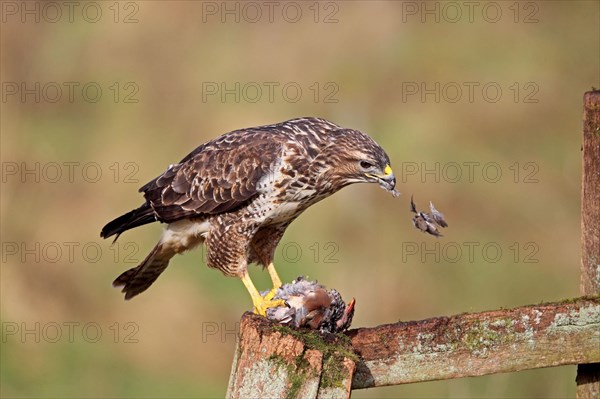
x: 71, y: 161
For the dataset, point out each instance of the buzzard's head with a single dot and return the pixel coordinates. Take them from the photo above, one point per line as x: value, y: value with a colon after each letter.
x: 357, y: 158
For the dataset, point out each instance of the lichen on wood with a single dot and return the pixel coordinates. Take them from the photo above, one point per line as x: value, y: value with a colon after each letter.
x: 475, y: 344
x: 295, y: 363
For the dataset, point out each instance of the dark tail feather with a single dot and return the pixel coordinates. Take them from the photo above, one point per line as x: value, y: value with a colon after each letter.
x: 137, y: 280
x: 137, y: 217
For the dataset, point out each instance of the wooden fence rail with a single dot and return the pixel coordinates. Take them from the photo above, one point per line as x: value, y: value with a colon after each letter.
x: 474, y: 344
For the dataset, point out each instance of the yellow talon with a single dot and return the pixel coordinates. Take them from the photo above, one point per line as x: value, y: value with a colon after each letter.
x: 261, y: 304
x: 271, y: 294
x: 264, y: 304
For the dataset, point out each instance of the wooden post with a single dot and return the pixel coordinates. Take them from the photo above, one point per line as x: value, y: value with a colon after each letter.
x: 588, y: 375
x: 273, y: 361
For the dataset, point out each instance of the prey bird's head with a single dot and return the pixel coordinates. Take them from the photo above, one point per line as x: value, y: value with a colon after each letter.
x: 357, y: 158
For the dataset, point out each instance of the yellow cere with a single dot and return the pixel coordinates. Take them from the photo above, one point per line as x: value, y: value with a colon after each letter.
x: 387, y: 171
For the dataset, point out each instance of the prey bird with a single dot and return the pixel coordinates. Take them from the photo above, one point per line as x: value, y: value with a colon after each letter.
x: 428, y: 222
x: 310, y: 305
x: 238, y: 193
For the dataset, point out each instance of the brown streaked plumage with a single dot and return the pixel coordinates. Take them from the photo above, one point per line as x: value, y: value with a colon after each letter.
x: 239, y: 192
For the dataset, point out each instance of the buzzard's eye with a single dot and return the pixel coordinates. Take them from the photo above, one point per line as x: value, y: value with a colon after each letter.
x: 366, y: 165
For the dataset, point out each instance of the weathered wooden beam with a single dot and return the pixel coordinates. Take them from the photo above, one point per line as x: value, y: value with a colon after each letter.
x: 475, y: 344
x: 588, y: 376
x: 273, y: 361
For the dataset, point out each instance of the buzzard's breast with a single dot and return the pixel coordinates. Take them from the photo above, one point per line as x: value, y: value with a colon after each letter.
x: 285, y: 190
x: 283, y: 212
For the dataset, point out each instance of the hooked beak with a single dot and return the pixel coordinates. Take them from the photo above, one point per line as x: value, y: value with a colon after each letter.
x: 386, y: 181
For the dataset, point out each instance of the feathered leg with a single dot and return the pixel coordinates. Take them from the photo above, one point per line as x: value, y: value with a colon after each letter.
x: 274, y: 276
x: 263, y: 244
